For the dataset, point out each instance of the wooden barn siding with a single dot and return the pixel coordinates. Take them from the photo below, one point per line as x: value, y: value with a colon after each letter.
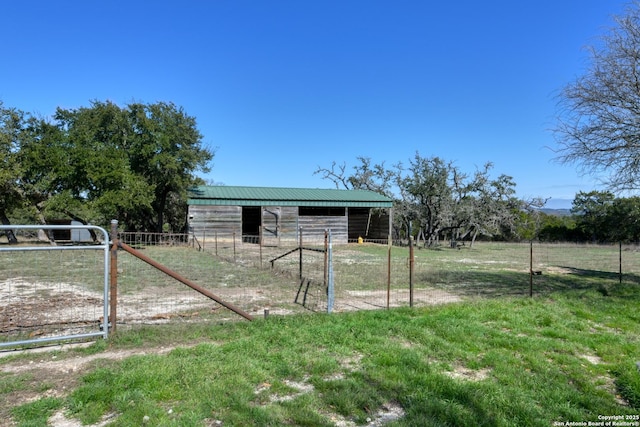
x: 288, y: 223
x: 210, y: 221
x: 223, y: 221
x: 313, y: 228
x: 279, y: 224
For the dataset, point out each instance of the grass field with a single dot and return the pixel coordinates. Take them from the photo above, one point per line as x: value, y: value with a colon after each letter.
x: 568, y: 357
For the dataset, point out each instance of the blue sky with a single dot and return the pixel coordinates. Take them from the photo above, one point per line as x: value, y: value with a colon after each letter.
x: 282, y: 87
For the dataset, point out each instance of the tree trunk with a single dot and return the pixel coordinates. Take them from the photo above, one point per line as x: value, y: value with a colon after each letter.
x: 13, y: 240
x: 473, y: 238
x: 47, y: 233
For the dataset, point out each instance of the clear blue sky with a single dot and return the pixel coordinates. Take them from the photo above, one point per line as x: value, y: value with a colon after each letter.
x: 281, y: 87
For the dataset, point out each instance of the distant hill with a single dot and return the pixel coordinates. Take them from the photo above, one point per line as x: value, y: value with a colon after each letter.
x: 556, y: 212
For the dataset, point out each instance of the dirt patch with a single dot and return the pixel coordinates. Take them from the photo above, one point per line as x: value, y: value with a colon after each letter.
x: 387, y: 413
x: 463, y: 373
x: 376, y: 299
x: 37, y: 306
x: 594, y: 360
x: 59, y: 374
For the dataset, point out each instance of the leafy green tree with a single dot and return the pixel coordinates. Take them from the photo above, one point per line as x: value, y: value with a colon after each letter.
x: 427, y: 189
x: 166, y: 151
x: 555, y: 228
x: 623, y: 220
x: 100, y: 181
x: 101, y: 162
x: 592, y: 210
x: 134, y: 164
x: 11, y: 121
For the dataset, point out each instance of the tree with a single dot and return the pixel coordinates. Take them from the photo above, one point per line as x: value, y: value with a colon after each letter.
x: 166, y: 151
x: 11, y: 121
x: 433, y: 198
x: 134, y: 164
x: 101, y: 162
x: 427, y: 189
x: 555, y: 228
x: 86, y: 175
x: 623, y: 220
x: 592, y: 210
x: 598, y: 126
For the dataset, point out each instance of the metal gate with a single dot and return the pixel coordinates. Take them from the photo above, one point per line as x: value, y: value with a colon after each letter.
x: 53, y: 292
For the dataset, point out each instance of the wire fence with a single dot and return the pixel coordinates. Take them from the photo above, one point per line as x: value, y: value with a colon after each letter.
x: 291, y: 277
x: 50, y: 292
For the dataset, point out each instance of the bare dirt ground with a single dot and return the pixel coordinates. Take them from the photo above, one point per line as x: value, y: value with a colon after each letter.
x: 26, y: 305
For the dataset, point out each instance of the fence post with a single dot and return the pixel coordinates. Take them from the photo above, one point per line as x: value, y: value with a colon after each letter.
x: 330, y: 285
x: 260, y: 243
x: 411, y: 264
x: 234, y: 246
x: 326, y: 257
x: 388, y: 271
x: 620, y: 261
x: 300, y: 251
x: 113, y: 289
x: 531, y: 268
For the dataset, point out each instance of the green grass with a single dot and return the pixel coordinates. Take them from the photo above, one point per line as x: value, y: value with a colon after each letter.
x: 569, y: 356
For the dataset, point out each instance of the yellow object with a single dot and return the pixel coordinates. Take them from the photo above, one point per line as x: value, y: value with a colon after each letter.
x: 360, y: 240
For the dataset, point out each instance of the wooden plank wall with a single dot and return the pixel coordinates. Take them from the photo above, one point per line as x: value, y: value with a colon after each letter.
x: 209, y: 220
x: 282, y: 223
x: 313, y: 228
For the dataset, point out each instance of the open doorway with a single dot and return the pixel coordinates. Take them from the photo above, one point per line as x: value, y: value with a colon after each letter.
x: 251, y: 222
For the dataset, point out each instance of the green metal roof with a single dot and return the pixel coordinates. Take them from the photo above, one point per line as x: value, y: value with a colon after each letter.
x: 274, y: 196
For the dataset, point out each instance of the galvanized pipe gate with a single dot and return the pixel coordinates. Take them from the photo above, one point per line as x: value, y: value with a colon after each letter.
x: 102, y: 246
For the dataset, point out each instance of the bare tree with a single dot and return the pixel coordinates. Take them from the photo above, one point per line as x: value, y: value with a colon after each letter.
x: 598, y: 127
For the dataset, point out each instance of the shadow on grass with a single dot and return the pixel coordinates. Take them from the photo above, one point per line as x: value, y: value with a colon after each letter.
x: 494, y: 284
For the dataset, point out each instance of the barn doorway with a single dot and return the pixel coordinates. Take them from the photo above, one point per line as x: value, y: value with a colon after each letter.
x: 251, y: 222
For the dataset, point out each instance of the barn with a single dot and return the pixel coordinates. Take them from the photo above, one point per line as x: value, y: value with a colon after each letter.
x: 278, y: 214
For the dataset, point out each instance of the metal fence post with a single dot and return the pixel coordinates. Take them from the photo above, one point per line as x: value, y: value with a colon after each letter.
x: 326, y: 257
x: 531, y: 268
x: 330, y: 285
x: 113, y: 290
x: 411, y: 266
x: 620, y: 261
x: 300, y: 250
x: 389, y: 271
